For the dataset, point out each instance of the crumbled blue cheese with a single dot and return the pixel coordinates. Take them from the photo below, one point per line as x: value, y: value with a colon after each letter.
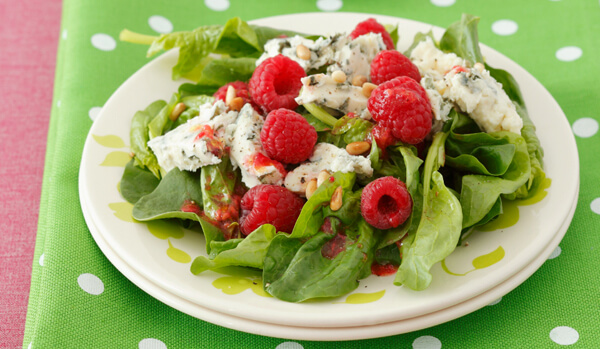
x: 479, y: 95
x: 450, y: 82
x: 189, y: 147
x: 322, y: 50
x: 328, y: 157
x: 247, y: 153
x: 323, y: 90
x: 356, y: 56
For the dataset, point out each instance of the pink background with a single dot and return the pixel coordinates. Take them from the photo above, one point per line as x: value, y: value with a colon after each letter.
x: 29, y: 30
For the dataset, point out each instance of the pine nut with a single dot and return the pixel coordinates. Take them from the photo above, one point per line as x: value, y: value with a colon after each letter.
x: 359, y: 80
x: 479, y: 66
x: 367, y: 89
x: 339, y: 76
x: 303, y: 52
x: 236, y: 104
x: 357, y: 148
x: 231, y: 94
x: 177, y: 110
x: 322, y: 177
x: 311, y: 187
x: 336, y: 199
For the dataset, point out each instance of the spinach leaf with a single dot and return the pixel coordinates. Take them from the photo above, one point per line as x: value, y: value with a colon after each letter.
x: 462, y: 38
x: 178, y: 195
x: 192, y: 104
x: 264, y: 34
x: 417, y: 40
x: 319, y: 125
x: 408, y: 163
x: 350, y: 210
x: 479, y: 193
x: 320, y: 114
x: 138, y: 137
x: 236, y: 39
x: 311, y: 217
x: 478, y: 152
x: 136, y: 182
x: 248, y: 252
x: 534, y: 148
x: 439, y: 226
x: 162, y: 122
x: 295, y: 271
x: 352, y: 129
x: 218, y: 72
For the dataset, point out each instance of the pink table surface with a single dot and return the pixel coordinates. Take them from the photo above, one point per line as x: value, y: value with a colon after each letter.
x: 29, y: 30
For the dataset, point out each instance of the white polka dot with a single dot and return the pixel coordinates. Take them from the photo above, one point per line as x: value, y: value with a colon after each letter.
x: 289, y: 345
x: 91, y: 284
x: 427, y: 342
x: 29, y: 346
x: 160, y: 24
x: 217, y: 5
x: 103, y: 42
x: 151, y: 343
x: 595, y: 205
x: 568, y: 53
x: 93, y: 113
x: 555, y: 253
x: 58, y: 103
x: 496, y: 301
x: 505, y: 27
x: 64, y: 34
x: 329, y: 5
x: 41, y: 261
x: 585, y: 127
x: 564, y: 335
x: 443, y: 3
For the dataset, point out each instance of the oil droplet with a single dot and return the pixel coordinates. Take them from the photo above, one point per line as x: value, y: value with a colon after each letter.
x: 164, y: 229
x: 234, y: 285
x: 489, y: 259
x: 546, y: 182
x: 110, y: 141
x: 122, y: 210
x: 116, y: 159
x: 510, y: 216
x: 362, y: 298
x: 178, y: 255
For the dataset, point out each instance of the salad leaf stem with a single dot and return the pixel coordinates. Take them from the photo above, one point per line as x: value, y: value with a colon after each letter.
x: 321, y: 114
x: 136, y: 38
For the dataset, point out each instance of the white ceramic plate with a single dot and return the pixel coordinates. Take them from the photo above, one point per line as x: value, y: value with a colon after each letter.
x: 158, y: 257
x: 326, y: 333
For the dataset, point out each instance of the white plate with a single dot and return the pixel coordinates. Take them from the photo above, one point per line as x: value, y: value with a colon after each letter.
x: 327, y: 333
x: 519, y: 245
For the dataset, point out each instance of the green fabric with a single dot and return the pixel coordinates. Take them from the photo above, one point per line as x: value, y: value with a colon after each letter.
x: 563, y: 292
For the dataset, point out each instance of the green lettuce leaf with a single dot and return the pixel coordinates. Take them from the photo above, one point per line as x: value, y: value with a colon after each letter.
x: 247, y: 252
x: 439, y: 226
x: 136, y: 182
x: 295, y: 271
x: 138, y: 137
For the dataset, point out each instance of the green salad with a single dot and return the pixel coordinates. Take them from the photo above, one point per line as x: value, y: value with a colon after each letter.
x: 201, y: 157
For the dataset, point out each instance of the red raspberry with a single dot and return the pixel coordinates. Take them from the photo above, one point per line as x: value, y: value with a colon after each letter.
x: 389, y: 64
x: 276, y: 83
x: 270, y: 204
x: 287, y: 137
x: 406, y: 113
x: 385, y: 203
x: 372, y: 26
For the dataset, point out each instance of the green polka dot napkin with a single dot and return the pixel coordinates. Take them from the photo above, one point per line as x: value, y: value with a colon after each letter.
x: 79, y: 300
